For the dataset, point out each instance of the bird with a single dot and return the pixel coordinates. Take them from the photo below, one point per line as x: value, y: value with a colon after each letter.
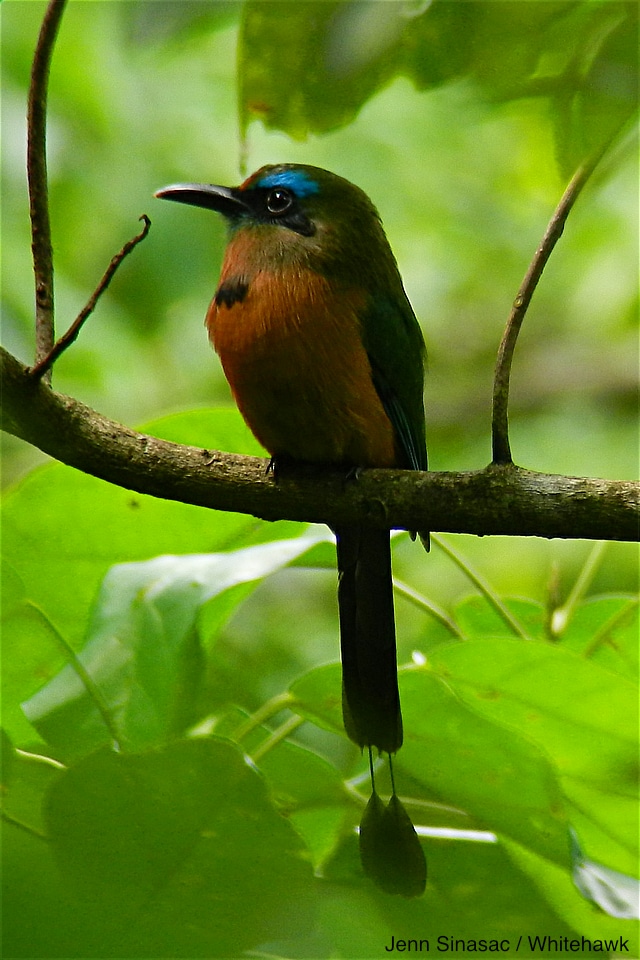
x: 325, y: 360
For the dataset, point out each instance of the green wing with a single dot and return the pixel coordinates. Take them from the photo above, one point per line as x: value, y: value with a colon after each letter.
x: 395, y: 347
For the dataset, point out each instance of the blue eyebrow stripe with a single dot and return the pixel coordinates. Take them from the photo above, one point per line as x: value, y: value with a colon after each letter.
x: 296, y: 180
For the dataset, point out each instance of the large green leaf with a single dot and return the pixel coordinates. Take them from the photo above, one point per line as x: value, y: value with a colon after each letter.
x: 62, y: 530
x: 317, y: 697
x: 306, y: 787
x: 335, y: 55
x: 474, y: 893
x: 497, y: 776
x: 605, y: 630
x: 141, y: 668
x: 584, y: 717
x: 597, y: 92
x: 614, y: 937
x: 500, y: 779
x: 310, y: 65
x: 25, y: 779
x: 39, y: 917
x: 478, y: 618
x: 59, y: 524
x: 177, y: 852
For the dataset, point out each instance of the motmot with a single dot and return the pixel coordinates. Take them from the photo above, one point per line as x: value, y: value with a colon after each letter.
x: 325, y: 360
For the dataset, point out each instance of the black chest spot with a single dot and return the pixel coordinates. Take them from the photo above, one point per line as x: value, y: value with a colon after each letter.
x: 231, y: 291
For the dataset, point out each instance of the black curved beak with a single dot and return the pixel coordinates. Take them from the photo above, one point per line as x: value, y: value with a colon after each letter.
x: 225, y: 200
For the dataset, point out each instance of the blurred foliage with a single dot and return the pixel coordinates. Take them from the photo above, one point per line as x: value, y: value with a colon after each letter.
x: 462, y: 121
x: 465, y: 179
x: 173, y: 845
x: 579, y: 59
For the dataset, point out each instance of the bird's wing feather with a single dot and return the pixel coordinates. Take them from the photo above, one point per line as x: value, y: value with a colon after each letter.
x: 395, y: 347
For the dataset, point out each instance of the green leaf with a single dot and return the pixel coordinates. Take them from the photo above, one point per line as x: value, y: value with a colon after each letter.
x: 336, y: 55
x: 497, y: 776
x: 478, y: 618
x: 559, y: 889
x: 317, y: 697
x: 62, y: 530
x: 605, y: 630
x: 301, y: 779
x: 606, y: 820
x: 500, y: 779
x: 26, y: 778
x: 216, y: 428
x: 618, y: 894
x: 309, y: 67
x: 583, y: 717
x: 7, y: 760
x: 310, y: 792
x: 39, y: 918
x: 294, y: 72
x: 142, y: 659
x: 604, y: 83
x: 177, y: 852
x: 306, y: 787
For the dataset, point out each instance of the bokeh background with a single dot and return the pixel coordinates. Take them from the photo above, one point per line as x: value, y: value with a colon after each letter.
x: 144, y: 94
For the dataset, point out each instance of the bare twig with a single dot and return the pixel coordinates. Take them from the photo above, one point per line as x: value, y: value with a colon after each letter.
x: 500, y: 421
x: 47, y: 349
x: 68, y: 338
x: 37, y: 178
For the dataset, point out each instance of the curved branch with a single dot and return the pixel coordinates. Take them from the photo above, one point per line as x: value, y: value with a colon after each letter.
x: 498, y: 500
x: 65, y: 341
x: 555, y: 228
x: 37, y: 178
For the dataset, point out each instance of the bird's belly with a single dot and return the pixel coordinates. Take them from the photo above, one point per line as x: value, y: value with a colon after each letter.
x: 301, y: 378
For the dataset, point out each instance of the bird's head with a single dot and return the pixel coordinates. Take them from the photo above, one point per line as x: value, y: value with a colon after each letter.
x: 297, y: 206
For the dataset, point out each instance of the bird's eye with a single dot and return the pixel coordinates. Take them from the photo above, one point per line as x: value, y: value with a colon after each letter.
x: 279, y: 201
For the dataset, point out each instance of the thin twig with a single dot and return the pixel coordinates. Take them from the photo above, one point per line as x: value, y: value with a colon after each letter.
x: 40, y: 758
x: 485, y: 588
x: 428, y: 607
x: 37, y: 178
x: 87, y: 681
x: 603, y: 634
x: 283, y: 731
x: 265, y: 712
x: 500, y: 422
x: 561, y: 616
x: 68, y: 338
x: 21, y: 825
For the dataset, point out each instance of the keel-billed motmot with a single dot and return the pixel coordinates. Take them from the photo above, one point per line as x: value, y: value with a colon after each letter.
x: 325, y: 359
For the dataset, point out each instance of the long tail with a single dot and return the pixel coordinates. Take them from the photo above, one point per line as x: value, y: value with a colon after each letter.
x: 370, y: 699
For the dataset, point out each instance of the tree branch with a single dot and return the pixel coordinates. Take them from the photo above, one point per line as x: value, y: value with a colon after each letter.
x: 502, y: 499
x: 65, y: 341
x: 555, y: 228
x: 37, y: 178
x: 505, y: 500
